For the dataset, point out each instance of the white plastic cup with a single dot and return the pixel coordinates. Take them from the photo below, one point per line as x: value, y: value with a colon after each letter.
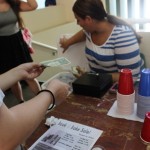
x: 125, y: 103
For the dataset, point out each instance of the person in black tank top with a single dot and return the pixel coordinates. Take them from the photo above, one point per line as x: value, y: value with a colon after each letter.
x: 14, y: 50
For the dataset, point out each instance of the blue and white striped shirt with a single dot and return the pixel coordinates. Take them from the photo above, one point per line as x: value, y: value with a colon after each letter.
x: 121, y: 50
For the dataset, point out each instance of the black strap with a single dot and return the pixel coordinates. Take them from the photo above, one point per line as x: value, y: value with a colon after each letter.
x: 53, y: 98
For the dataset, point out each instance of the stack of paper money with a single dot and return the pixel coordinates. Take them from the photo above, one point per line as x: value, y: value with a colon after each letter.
x: 55, y: 62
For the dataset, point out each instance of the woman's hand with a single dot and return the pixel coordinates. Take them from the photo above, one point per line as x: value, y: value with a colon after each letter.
x: 28, y: 70
x: 63, y: 43
x: 59, y: 89
x: 21, y: 72
x: 78, y: 71
x: 76, y: 38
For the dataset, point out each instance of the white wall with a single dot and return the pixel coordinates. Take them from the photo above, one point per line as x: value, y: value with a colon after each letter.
x: 67, y: 8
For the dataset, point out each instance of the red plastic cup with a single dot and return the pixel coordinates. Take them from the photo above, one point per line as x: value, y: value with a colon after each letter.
x: 125, y: 84
x: 145, y: 132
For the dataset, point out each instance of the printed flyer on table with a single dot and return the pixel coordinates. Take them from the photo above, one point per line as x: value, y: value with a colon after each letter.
x: 67, y: 135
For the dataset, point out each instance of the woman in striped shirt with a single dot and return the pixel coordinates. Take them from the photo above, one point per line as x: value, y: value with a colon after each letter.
x: 111, y: 43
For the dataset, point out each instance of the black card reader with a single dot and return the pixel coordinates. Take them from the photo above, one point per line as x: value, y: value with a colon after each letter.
x: 92, y: 84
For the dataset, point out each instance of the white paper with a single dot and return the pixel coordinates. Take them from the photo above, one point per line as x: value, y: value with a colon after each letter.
x: 113, y: 113
x: 67, y: 135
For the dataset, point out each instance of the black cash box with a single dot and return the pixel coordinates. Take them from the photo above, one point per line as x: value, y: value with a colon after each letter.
x: 92, y: 84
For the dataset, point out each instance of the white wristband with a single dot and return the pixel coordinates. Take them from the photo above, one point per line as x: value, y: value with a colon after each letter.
x: 1, y: 97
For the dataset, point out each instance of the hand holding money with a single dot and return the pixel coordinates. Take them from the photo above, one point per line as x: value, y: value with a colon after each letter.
x: 55, y: 62
x: 78, y: 71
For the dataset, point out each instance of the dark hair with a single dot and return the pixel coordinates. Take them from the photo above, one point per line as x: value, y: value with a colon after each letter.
x: 92, y: 8
x: 95, y: 9
x: 15, y: 5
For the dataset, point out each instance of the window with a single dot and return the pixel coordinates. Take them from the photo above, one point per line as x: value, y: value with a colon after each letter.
x: 136, y: 12
x: 41, y: 3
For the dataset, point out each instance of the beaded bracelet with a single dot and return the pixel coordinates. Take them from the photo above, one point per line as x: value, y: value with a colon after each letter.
x: 53, y: 104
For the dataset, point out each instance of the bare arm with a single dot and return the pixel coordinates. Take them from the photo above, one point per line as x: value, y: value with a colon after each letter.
x: 24, y: 71
x: 29, y: 5
x: 19, y: 122
x: 76, y: 38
